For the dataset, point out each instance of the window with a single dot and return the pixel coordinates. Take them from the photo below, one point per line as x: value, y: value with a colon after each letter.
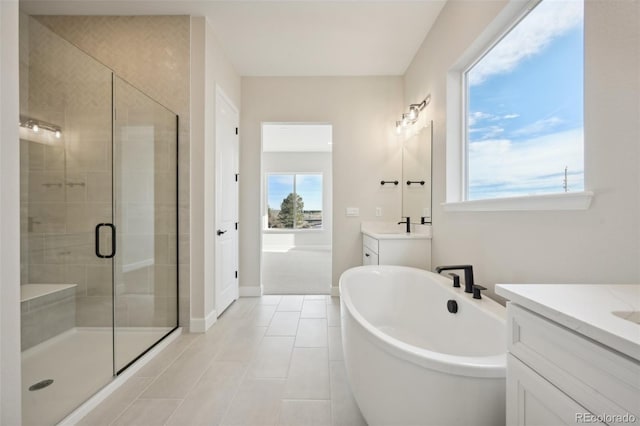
x: 524, y: 107
x: 294, y: 201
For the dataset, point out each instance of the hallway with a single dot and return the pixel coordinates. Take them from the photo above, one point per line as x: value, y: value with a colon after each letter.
x: 273, y: 360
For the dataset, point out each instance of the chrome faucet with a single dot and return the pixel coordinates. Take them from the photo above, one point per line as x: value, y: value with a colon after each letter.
x: 408, y: 222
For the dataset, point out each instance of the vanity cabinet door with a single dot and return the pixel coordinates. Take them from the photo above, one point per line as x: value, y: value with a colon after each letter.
x: 369, y: 257
x: 533, y: 401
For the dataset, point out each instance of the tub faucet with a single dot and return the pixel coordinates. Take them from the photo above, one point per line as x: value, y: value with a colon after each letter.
x: 408, y: 222
x: 468, y: 274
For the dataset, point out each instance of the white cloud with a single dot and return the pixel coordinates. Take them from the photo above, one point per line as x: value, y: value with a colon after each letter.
x: 478, y: 116
x: 537, y: 127
x: 525, y: 167
x: 549, y: 20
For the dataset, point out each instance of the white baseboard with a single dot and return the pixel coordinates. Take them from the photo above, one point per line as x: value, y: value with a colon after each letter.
x: 118, y: 381
x: 201, y: 325
x: 250, y: 291
x: 335, y: 291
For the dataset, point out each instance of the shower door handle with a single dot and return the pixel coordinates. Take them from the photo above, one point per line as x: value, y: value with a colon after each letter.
x: 113, y: 241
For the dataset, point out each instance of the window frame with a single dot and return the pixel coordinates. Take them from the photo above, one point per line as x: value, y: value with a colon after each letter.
x: 457, y: 155
x: 266, y: 200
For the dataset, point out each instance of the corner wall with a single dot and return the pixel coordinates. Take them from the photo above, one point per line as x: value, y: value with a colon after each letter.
x: 210, y: 71
x: 600, y: 245
x: 362, y: 111
x: 10, y: 382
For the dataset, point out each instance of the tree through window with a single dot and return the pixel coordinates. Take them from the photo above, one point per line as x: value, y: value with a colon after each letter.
x: 294, y: 201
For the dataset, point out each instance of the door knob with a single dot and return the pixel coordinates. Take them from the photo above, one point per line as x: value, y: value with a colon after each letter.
x: 219, y: 232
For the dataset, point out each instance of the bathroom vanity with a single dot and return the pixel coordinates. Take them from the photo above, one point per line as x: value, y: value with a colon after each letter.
x: 390, y: 244
x: 574, y: 354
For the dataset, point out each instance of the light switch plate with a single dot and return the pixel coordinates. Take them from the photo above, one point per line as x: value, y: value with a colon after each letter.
x: 378, y: 211
x: 353, y: 211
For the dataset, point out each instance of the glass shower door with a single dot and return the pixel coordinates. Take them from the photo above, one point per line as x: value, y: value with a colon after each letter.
x: 145, y: 213
x: 66, y: 190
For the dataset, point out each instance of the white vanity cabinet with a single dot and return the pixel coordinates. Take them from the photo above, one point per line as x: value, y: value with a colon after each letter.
x: 396, y: 249
x: 556, y: 375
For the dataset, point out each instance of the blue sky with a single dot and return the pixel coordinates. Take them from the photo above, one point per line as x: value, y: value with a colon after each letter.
x: 309, y: 187
x: 525, y: 113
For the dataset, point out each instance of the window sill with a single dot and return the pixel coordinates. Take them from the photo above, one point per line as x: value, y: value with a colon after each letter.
x: 547, y: 202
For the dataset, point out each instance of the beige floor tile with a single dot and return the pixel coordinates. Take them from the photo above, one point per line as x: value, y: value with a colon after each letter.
x: 284, y: 324
x: 344, y: 409
x: 305, y: 413
x: 322, y: 297
x: 241, y: 307
x: 168, y: 355
x: 290, y: 303
x: 261, y: 315
x: 210, y: 399
x: 256, y: 403
x: 335, y: 344
x: 241, y: 344
x: 314, y: 309
x: 308, y: 374
x: 333, y: 315
x: 312, y: 333
x: 182, y: 375
x: 270, y: 299
x: 147, y: 412
x: 272, y: 358
x: 116, y: 403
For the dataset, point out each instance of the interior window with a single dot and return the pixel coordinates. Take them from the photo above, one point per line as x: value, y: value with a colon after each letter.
x: 294, y: 201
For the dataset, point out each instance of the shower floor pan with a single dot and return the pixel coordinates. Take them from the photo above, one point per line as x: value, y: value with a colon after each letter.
x: 75, y: 376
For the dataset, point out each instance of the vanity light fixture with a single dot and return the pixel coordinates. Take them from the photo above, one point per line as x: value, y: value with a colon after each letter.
x: 411, y: 117
x: 37, y: 125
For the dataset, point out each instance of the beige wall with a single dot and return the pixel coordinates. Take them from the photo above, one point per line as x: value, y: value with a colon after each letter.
x: 362, y: 111
x: 211, y: 70
x: 10, y: 384
x: 600, y: 245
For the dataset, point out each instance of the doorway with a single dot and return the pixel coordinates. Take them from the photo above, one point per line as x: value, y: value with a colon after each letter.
x: 297, y: 207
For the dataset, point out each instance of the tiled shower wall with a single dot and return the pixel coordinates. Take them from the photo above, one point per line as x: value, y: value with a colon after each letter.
x: 152, y: 53
x: 66, y: 182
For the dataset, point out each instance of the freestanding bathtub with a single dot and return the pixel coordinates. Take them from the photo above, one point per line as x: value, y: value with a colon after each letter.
x: 410, y: 361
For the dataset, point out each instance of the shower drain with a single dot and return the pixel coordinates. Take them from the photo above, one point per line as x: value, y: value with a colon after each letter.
x: 40, y: 385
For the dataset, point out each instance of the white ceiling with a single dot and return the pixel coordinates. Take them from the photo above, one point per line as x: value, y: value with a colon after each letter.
x: 283, y: 137
x: 291, y: 38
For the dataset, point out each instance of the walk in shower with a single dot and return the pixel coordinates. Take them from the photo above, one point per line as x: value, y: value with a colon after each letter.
x: 99, y: 250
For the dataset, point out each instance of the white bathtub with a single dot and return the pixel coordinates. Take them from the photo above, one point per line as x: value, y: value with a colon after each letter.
x: 411, y: 362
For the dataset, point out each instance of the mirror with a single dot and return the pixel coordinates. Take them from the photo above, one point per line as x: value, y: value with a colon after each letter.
x: 416, y: 175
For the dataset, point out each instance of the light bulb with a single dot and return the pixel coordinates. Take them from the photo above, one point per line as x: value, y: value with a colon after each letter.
x: 35, y: 128
x: 58, y: 134
x: 398, y: 127
x: 413, y: 113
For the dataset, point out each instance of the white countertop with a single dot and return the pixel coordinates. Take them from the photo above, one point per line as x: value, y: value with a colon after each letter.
x: 585, y: 308
x: 393, y: 231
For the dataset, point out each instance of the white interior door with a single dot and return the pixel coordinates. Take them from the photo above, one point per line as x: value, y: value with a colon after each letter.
x: 227, y: 120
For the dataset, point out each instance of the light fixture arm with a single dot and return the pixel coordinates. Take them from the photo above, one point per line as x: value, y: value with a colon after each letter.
x: 411, y: 117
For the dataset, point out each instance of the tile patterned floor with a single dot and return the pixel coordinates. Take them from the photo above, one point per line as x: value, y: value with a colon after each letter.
x: 273, y: 360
